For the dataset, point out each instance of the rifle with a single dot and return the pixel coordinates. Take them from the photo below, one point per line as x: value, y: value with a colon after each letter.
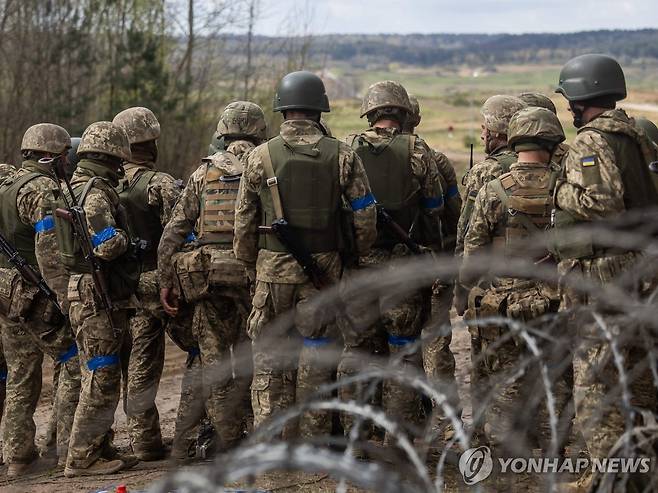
x: 282, y: 230
x: 76, y: 216
x: 470, y: 166
x: 384, y: 218
x: 27, y: 272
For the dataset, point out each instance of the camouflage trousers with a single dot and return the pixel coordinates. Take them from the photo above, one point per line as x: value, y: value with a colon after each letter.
x: 218, y: 330
x: 284, y: 372
x: 101, y: 364
x: 398, y: 319
x: 3, y: 385
x: 145, y: 344
x: 438, y: 359
x: 25, y: 344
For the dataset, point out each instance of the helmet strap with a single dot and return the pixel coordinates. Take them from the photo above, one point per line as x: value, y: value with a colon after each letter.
x: 577, y: 114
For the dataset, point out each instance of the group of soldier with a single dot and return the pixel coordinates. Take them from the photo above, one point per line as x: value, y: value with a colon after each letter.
x: 263, y: 226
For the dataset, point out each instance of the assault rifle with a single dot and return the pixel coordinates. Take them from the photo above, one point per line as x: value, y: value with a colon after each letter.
x: 282, y: 230
x: 385, y: 219
x: 27, y: 272
x: 76, y: 216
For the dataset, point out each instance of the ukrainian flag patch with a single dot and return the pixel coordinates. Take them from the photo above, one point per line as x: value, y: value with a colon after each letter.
x: 588, y: 161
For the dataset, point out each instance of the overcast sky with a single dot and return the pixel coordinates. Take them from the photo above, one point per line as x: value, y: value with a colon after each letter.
x: 457, y: 16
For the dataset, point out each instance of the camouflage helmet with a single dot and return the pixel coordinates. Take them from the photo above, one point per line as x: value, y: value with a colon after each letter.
x: 649, y: 128
x: 592, y: 76
x: 301, y: 91
x: 46, y: 137
x: 385, y: 94
x: 538, y: 100
x: 497, y: 111
x: 414, y: 116
x: 140, y: 124
x: 537, y: 126
x: 242, y: 119
x: 105, y: 138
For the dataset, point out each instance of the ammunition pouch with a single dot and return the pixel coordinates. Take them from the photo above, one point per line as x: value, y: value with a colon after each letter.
x: 533, y: 302
x: 9, y: 278
x: 205, y: 268
x: 485, y: 304
x: 22, y: 302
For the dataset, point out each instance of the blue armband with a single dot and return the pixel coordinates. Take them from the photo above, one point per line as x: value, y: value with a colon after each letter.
x: 363, y: 202
x: 98, y: 362
x: 400, y: 341
x: 103, y: 236
x: 432, y: 202
x: 316, y: 342
x: 191, y: 238
x: 45, y: 225
x: 70, y: 353
x: 452, y: 191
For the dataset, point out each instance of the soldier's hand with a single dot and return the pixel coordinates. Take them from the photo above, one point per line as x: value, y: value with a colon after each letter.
x: 169, y: 300
x: 461, y: 299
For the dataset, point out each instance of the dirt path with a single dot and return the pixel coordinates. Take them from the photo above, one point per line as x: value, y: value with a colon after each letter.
x: 144, y: 474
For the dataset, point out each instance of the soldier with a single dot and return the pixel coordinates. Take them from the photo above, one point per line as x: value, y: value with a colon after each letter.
x: 496, y: 112
x: 99, y: 329
x: 606, y: 173
x: 652, y: 132
x: 438, y: 360
x: 204, y: 219
x: 34, y: 326
x: 406, y: 183
x: 149, y: 197
x: 302, y: 177
x: 539, y: 100
x: 508, y: 211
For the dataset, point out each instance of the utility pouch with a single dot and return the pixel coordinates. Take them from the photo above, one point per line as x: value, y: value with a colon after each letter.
x: 192, y: 270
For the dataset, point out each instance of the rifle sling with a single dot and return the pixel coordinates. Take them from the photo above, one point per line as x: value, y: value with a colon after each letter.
x: 272, y: 183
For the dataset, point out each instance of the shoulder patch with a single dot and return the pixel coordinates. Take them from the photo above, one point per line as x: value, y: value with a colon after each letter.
x: 589, y: 161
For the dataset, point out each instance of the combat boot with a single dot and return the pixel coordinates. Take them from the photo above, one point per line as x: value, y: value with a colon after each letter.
x: 98, y: 468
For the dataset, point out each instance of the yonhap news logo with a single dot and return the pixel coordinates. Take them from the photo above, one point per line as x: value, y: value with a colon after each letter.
x: 476, y: 465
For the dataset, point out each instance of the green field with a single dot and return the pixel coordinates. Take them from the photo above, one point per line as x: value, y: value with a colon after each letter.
x: 451, y: 97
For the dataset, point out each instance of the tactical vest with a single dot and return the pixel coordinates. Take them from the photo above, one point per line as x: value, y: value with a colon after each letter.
x: 639, y: 193
x: 220, y: 195
x: 307, y: 177
x: 122, y: 273
x: 144, y: 219
x: 527, y: 211
x: 388, y: 166
x: 21, y: 236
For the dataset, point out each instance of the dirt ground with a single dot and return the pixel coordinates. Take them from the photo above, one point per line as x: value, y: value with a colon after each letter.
x: 145, y: 474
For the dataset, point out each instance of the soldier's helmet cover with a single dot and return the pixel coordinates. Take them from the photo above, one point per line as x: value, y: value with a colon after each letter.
x: 105, y: 138
x: 242, y: 119
x: 538, y: 100
x: 414, y: 116
x: 592, y: 76
x: 140, y: 124
x: 46, y: 137
x: 301, y: 91
x: 534, y: 128
x: 497, y: 111
x: 386, y: 94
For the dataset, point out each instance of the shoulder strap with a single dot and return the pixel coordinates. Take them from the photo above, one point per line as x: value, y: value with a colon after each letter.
x: 272, y: 182
x: 501, y: 192
x: 87, y: 188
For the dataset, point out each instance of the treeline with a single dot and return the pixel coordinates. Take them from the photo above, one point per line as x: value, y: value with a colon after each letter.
x: 480, y: 49
x: 72, y: 62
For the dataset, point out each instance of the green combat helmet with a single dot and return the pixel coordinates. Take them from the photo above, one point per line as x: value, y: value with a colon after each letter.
x: 386, y: 95
x: 497, y: 111
x: 243, y: 119
x: 46, y: 137
x: 140, y: 124
x: 301, y: 91
x: 414, y: 116
x: 534, y: 128
x: 592, y: 76
x: 649, y: 128
x: 538, y: 100
x: 105, y: 138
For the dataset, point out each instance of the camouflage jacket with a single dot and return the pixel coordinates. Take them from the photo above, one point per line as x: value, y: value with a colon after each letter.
x: 451, y: 198
x: 162, y: 190
x: 186, y: 214
x: 489, y: 213
x: 282, y: 267
x: 475, y: 178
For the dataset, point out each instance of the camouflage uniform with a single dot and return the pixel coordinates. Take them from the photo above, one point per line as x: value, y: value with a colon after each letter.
x: 219, y: 319
x: 146, y: 342
x: 35, y: 328
x: 399, y: 318
x: 496, y: 111
x: 100, y: 346
x: 593, y: 189
x: 281, y: 285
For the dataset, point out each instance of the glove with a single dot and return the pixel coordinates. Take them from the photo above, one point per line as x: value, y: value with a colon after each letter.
x: 461, y: 299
